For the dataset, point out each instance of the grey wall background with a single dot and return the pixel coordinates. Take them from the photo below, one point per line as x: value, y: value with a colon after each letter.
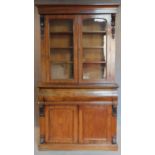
x: 36, y: 78
x: 76, y: 1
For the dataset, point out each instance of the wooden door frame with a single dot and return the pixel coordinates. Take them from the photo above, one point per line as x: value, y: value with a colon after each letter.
x: 47, y: 44
x: 110, y: 55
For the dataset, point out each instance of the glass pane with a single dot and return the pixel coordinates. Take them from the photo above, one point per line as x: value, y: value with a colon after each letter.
x: 61, y: 41
x: 94, y: 42
x: 61, y: 71
x: 61, y: 25
x: 94, y: 24
x: 94, y: 71
x: 61, y: 49
x: 93, y: 55
x: 60, y: 55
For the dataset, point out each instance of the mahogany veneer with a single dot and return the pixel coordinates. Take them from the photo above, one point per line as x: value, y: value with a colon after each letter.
x: 77, y: 93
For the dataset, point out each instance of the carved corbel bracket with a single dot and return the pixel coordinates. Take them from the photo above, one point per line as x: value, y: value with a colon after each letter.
x: 113, y: 25
x: 41, y: 110
x: 114, y: 110
x: 42, y: 25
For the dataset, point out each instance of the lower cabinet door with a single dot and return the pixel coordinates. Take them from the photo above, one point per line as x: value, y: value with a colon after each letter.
x: 95, y: 124
x: 61, y: 124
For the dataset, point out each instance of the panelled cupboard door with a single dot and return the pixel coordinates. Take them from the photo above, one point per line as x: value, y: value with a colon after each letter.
x: 96, y: 55
x: 61, y: 48
x: 61, y: 124
x: 95, y: 124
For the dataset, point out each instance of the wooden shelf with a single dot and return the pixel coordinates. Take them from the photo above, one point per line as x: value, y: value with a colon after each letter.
x: 94, y: 62
x: 93, y: 47
x: 95, y: 32
x: 53, y: 33
x: 61, y: 62
x: 61, y: 48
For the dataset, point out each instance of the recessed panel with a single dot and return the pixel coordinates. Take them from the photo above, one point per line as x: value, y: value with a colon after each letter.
x: 95, y: 124
x: 61, y: 124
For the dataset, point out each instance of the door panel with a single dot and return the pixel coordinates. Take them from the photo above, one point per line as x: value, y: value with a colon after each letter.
x: 61, y: 124
x: 95, y: 124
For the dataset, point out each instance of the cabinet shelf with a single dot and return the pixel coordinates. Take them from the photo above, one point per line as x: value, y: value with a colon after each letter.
x: 94, y: 32
x: 61, y: 48
x: 94, y: 62
x: 67, y: 32
x: 93, y: 47
x: 61, y: 62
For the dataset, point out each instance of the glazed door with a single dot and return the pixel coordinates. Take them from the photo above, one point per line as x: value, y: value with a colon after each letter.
x: 96, y: 124
x: 95, y: 49
x: 61, y: 124
x: 61, y: 48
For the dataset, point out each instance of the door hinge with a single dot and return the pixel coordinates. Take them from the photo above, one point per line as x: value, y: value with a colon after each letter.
x: 41, y: 110
x: 114, y: 110
x: 42, y: 139
x: 114, y: 140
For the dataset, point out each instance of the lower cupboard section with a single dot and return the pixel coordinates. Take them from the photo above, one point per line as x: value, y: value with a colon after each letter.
x: 74, y: 126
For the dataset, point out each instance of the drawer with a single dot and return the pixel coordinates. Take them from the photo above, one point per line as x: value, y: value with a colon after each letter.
x: 77, y: 94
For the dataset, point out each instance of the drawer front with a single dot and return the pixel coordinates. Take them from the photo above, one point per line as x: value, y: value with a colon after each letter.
x: 76, y: 94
